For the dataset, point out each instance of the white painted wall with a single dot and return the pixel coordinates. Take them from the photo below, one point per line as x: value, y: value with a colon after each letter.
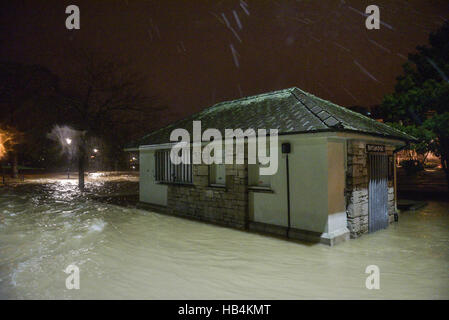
x: 149, y: 190
x: 317, y: 182
x: 308, y: 186
x: 337, y: 156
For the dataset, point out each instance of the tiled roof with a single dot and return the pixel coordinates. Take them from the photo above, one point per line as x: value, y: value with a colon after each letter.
x: 290, y: 111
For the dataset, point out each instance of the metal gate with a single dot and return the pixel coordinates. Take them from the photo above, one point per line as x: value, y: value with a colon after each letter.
x: 378, y: 192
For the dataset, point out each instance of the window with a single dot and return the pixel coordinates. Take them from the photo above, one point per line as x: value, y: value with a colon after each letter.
x: 166, y: 171
x: 217, y: 174
x: 255, y: 179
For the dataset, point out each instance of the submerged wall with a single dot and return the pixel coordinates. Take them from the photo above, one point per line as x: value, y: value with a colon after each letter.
x: 308, y: 187
x: 328, y: 190
x: 149, y: 190
x: 226, y: 205
x: 317, y: 183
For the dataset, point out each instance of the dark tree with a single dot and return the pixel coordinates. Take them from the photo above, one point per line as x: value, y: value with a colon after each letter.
x: 420, y: 103
x: 104, y: 98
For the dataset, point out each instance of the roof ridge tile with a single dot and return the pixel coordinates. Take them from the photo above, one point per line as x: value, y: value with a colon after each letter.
x: 316, y: 110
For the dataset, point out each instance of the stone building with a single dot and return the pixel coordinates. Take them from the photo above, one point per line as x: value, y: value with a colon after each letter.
x: 335, y: 176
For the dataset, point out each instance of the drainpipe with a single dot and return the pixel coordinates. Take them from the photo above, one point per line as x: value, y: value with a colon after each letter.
x: 286, y: 150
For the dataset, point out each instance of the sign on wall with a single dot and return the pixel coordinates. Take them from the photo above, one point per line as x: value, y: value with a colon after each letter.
x: 375, y: 148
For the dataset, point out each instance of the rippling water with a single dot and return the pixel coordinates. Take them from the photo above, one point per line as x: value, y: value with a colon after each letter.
x: 130, y: 253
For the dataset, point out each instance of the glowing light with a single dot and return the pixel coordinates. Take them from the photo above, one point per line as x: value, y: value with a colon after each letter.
x: 2, y: 147
x: 95, y: 150
x: 68, y: 140
x: 6, y: 140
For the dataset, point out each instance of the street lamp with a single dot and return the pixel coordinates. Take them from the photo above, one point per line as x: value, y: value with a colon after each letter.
x: 96, y: 163
x: 69, y: 142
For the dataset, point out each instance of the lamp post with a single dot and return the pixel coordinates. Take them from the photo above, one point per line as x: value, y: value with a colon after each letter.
x: 95, y: 158
x: 69, y: 142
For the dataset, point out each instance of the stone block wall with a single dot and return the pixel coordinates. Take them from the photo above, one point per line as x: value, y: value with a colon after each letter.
x: 227, y: 205
x: 357, y: 179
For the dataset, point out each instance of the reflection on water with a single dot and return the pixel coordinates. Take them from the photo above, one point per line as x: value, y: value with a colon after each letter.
x: 131, y: 253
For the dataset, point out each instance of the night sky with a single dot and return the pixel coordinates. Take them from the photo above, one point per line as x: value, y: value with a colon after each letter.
x: 196, y: 53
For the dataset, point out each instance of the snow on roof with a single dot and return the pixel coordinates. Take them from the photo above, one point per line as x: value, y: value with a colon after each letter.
x: 290, y: 111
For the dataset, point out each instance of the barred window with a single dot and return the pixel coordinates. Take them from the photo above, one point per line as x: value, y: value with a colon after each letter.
x: 166, y: 171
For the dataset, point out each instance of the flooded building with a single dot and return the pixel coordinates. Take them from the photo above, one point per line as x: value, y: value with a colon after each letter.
x: 335, y: 177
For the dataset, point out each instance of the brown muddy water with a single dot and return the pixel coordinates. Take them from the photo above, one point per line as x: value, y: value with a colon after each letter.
x: 125, y: 253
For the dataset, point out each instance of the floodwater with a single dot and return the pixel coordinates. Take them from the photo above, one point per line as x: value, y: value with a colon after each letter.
x: 123, y: 253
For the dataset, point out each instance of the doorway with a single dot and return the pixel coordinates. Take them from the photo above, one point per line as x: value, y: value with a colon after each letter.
x: 378, y: 192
